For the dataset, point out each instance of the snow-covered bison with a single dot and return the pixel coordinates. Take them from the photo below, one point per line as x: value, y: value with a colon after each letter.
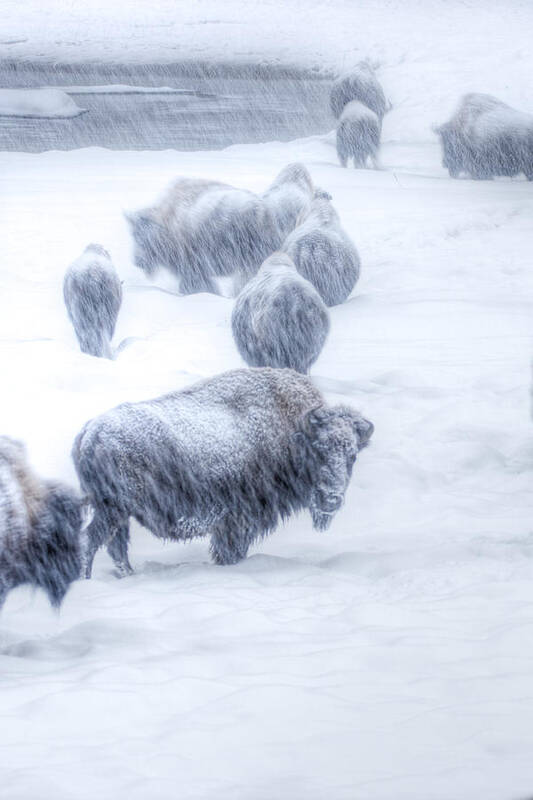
x: 40, y: 524
x: 202, y: 230
x: 93, y: 295
x: 324, y: 254
x: 486, y: 138
x: 360, y: 84
x: 358, y: 135
x: 226, y: 458
x: 288, y: 197
x: 279, y: 319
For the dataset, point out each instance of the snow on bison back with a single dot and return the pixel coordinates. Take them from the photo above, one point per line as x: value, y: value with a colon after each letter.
x: 227, y: 458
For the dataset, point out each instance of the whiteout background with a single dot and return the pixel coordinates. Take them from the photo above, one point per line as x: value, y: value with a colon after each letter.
x: 392, y: 656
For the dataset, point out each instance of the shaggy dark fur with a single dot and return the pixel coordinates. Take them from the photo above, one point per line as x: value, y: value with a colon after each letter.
x: 358, y: 135
x: 279, y: 319
x: 324, y: 254
x: 40, y: 523
x: 360, y: 84
x: 202, y: 230
x: 93, y: 295
x: 486, y: 138
x: 226, y: 458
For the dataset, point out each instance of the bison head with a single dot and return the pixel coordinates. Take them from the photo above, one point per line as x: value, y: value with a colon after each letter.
x: 151, y: 245
x: 97, y: 249
x: 56, y: 558
x: 330, y: 441
x: 295, y: 173
x: 321, y: 194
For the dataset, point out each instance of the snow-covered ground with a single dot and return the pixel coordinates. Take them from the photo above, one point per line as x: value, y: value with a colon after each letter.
x: 388, y: 658
x: 37, y: 103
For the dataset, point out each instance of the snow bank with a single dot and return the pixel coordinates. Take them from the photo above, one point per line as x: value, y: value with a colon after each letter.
x: 37, y: 103
x: 388, y: 658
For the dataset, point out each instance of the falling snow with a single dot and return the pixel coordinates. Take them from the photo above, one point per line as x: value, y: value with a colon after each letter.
x: 389, y: 656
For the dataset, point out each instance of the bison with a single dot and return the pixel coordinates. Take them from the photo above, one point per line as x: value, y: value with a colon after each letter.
x: 227, y: 458
x: 202, y: 230
x: 288, y: 197
x: 40, y: 524
x: 279, y: 319
x: 324, y: 253
x: 92, y: 292
x: 360, y: 84
x: 486, y: 138
x: 358, y: 135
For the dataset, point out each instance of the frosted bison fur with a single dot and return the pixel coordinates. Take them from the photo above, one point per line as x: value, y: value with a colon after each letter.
x: 358, y: 135
x: 93, y: 295
x: 279, y: 319
x: 486, y: 138
x: 360, y: 84
x: 227, y: 458
x: 288, y: 197
x: 202, y: 230
x: 324, y: 254
x: 40, y: 523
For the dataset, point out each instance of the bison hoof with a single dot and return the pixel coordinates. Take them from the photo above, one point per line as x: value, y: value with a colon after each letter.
x: 86, y: 571
x: 123, y: 570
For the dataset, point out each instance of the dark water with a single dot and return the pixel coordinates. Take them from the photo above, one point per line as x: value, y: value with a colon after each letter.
x: 214, y: 107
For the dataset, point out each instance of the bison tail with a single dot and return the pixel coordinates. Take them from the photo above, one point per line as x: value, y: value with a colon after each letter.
x: 87, y: 512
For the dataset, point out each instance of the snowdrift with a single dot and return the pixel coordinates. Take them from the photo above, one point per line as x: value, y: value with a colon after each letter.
x: 37, y: 103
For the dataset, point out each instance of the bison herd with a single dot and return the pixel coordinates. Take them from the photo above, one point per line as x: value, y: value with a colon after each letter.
x: 230, y: 456
x: 484, y: 139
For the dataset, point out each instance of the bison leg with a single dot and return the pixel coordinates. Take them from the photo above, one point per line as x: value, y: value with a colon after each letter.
x: 229, y: 543
x: 196, y: 282
x: 107, y: 523
x: 118, y: 549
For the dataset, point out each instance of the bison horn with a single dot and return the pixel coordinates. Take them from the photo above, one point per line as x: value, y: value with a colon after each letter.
x: 364, y: 429
x: 318, y: 416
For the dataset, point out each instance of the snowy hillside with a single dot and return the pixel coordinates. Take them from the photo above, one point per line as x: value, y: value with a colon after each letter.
x: 389, y: 658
